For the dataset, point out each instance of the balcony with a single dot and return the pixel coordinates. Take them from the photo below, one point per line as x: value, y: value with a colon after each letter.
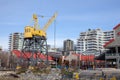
x: 112, y: 55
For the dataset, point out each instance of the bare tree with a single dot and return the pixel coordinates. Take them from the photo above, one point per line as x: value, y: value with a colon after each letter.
x: 7, y: 60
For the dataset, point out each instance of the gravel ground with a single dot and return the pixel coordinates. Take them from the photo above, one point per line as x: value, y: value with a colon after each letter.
x: 55, y: 75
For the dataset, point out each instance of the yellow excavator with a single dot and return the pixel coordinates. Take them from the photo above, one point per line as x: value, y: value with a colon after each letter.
x: 35, y: 31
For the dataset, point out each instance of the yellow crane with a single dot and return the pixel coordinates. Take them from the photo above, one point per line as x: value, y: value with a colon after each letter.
x: 35, y: 31
x: 35, y: 42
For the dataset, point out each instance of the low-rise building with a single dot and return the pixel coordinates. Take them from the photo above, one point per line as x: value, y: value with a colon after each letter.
x: 112, y: 55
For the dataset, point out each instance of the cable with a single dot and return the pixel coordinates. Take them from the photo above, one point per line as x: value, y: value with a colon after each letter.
x: 55, y: 40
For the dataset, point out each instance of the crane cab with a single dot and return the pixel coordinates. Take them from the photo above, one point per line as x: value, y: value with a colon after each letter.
x: 29, y: 32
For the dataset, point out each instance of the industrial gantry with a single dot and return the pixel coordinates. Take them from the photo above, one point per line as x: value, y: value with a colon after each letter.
x: 34, y: 43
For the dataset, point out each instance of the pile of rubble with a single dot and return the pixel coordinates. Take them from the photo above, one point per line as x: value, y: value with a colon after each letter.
x: 54, y: 74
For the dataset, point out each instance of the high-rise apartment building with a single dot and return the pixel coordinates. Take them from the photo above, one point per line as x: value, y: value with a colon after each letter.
x: 92, y: 41
x: 68, y: 45
x: 15, y: 41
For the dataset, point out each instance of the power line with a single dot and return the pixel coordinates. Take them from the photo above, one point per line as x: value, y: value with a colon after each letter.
x: 55, y: 40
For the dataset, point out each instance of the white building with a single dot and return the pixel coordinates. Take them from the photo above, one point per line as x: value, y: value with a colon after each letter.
x: 108, y: 35
x: 15, y: 41
x: 92, y: 41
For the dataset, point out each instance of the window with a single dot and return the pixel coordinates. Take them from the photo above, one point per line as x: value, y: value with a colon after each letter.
x: 29, y: 30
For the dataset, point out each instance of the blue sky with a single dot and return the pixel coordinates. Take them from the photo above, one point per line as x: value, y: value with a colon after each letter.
x: 74, y: 16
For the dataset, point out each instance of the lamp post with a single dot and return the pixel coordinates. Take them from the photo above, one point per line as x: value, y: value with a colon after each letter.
x: 56, y: 62
x: 62, y: 58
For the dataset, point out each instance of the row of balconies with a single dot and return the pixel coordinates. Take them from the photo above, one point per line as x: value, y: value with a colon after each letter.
x: 81, y: 48
x: 90, y: 37
x: 112, y: 55
x: 90, y: 44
